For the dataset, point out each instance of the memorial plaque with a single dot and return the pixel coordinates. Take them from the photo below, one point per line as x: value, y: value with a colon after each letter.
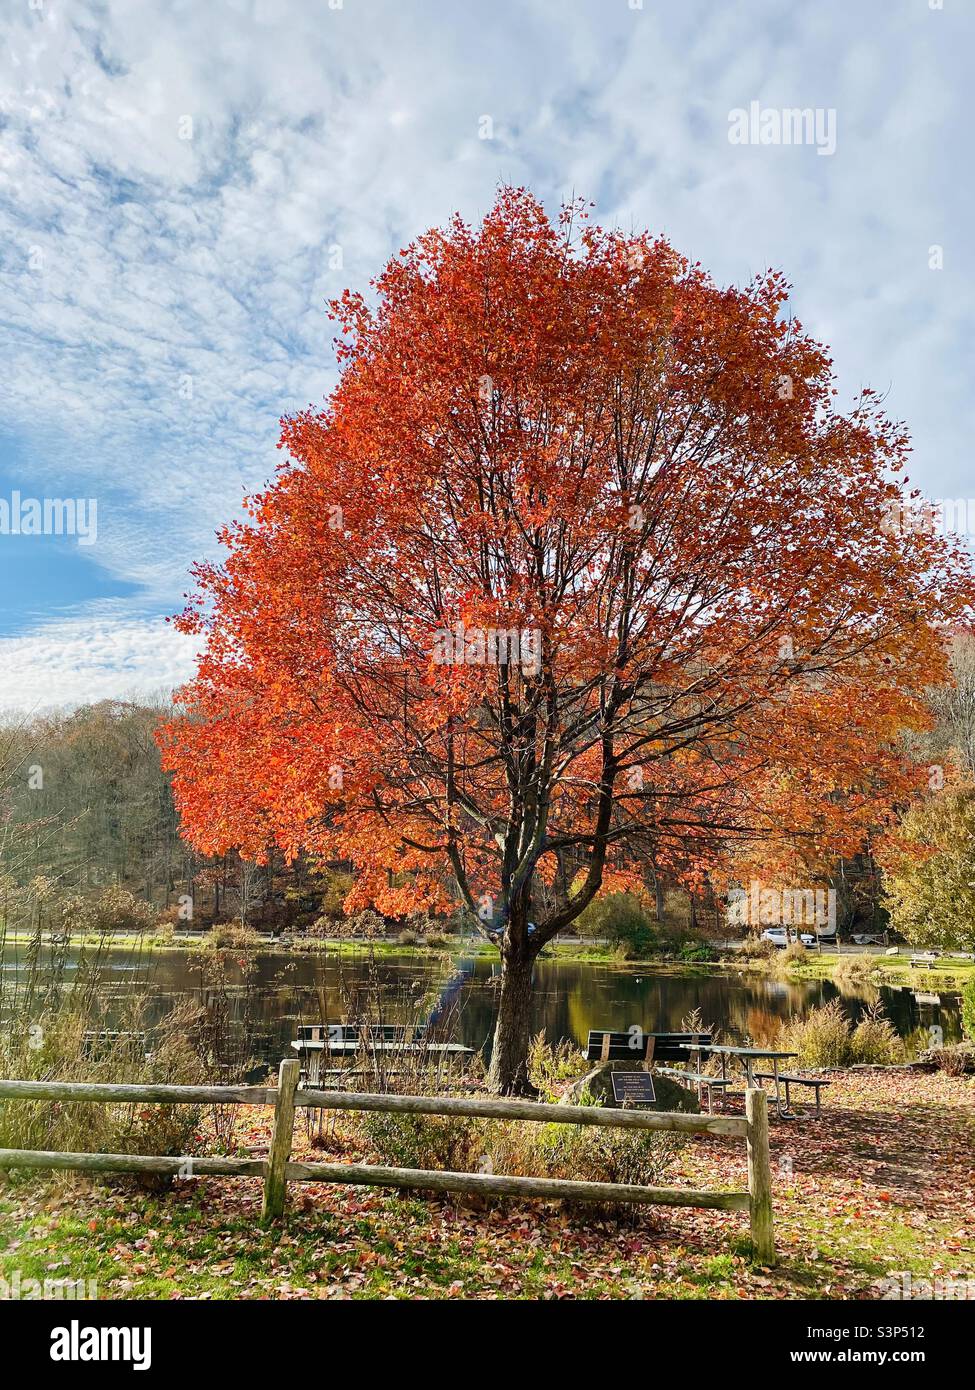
x: 633, y: 1088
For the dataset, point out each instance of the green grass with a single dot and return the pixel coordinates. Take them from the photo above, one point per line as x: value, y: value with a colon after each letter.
x: 887, y: 969
x: 139, y: 1247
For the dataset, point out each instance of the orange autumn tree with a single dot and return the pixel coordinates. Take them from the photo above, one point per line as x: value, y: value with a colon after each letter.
x: 579, y: 565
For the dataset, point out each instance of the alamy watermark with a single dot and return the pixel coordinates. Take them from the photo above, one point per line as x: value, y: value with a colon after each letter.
x: 902, y: 1284
x: 478, y: 646
x: 76, y: 1342
x: 786, y: 125
x: 17, y: 1288
x: 49, y: 516
x: 788, y: 907
x: 930, y: 516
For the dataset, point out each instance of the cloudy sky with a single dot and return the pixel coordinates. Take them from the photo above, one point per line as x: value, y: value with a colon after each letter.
x: 183, y: 185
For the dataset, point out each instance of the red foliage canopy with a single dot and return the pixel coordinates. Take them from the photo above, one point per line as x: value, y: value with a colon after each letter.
x: 580, y: 566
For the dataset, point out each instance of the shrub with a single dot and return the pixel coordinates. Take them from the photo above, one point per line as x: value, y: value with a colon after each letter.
x: 754, y: 948
x: 826, y: 1038
x: 594, y: 1154
x: 171, y: 916
x: 874, y: 1039
x: 447, y: 1142
x: 54, y: 1045
x: 968, y: 1008
x: 231, y: 936
x: 854, y: 970
x: 822, y: 1038
x: 619, y: 917
x: 794, y: 954
x: 581, y: 1152
x: 692, y: 951
x: 551, y: 1068
x: 164, y: 1129
x: 437, y: 939
x: 325, y: 927
x: 367, y: 923
x: 408, y: 938
x: 113, y: 909
x: 418, y: 922
x: 953, y: 1061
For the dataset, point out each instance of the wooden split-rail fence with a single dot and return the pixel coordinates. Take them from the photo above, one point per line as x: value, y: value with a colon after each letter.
x: 278, y: 1169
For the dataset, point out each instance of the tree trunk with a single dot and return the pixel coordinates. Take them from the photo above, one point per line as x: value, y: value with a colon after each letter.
x: 512, y: 1034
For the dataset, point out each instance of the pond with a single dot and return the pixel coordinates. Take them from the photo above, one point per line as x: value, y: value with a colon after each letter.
x: 267, y: 995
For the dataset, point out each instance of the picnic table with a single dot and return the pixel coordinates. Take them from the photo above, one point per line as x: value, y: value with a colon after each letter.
x: 925, y: 960
x: 316, y: 1042
x: 747, y: 1056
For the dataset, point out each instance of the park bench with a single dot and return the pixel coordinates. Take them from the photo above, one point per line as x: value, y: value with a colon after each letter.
x: 653, y: 1048
x: 790, y: 1079
x: 703, y: 1082
x: 341, y: 1036
x: 637, y: 1046
x: 923, y: 962
x: 96, y: 1041
x: 318, y: 1040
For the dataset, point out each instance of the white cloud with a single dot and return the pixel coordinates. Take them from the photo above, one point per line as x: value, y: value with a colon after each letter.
x: 99, y: 655
x: 164, y: 297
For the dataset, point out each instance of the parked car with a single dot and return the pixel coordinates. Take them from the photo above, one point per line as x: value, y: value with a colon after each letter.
x: 782, y: 936
x: 499, y: 931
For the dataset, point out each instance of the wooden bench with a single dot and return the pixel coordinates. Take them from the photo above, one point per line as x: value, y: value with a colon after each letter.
x: 340, y: 1034
x: 923, y: 962
x: 95, y: 1042
x: 790, y: 1079
x: 318, y: 1040
x: 702, y: 1081
x: 637, y: 1046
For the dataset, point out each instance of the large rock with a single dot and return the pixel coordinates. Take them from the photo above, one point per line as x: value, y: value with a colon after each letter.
x: 670, y: 1094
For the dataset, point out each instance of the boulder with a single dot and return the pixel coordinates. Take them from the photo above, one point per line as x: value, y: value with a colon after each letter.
x: 671, y: 1095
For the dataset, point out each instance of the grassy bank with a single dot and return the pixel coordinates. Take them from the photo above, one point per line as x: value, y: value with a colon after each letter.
x: 881, y: 969
x: 884, y: 1182
x: 266, y: 945
x: 866, y: 967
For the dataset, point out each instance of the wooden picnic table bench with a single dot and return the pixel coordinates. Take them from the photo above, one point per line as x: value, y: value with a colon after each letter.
x: 359, y: 1032
x: 923, y: 962
x: 318, y: 1040
x: 703, y: 1082
x: 791, y: 1079
x: 746, y: 1057
x: 636, y: 1045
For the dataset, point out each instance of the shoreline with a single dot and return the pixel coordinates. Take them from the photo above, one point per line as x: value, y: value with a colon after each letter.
x: 872, y: 967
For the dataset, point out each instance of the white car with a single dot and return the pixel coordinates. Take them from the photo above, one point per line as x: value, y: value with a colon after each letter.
x: 780, y: 936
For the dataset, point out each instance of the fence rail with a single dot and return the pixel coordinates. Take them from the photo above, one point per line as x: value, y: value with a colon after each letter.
x: 279, y: 1169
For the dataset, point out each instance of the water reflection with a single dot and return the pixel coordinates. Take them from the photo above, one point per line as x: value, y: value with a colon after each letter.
x: 269, y: 995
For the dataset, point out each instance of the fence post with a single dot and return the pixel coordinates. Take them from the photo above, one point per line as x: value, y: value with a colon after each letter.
x: 759, y: 1176
x: 275, y: 1182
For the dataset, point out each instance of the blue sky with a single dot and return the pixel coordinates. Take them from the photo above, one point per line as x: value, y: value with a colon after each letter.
x: 183, y: 185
